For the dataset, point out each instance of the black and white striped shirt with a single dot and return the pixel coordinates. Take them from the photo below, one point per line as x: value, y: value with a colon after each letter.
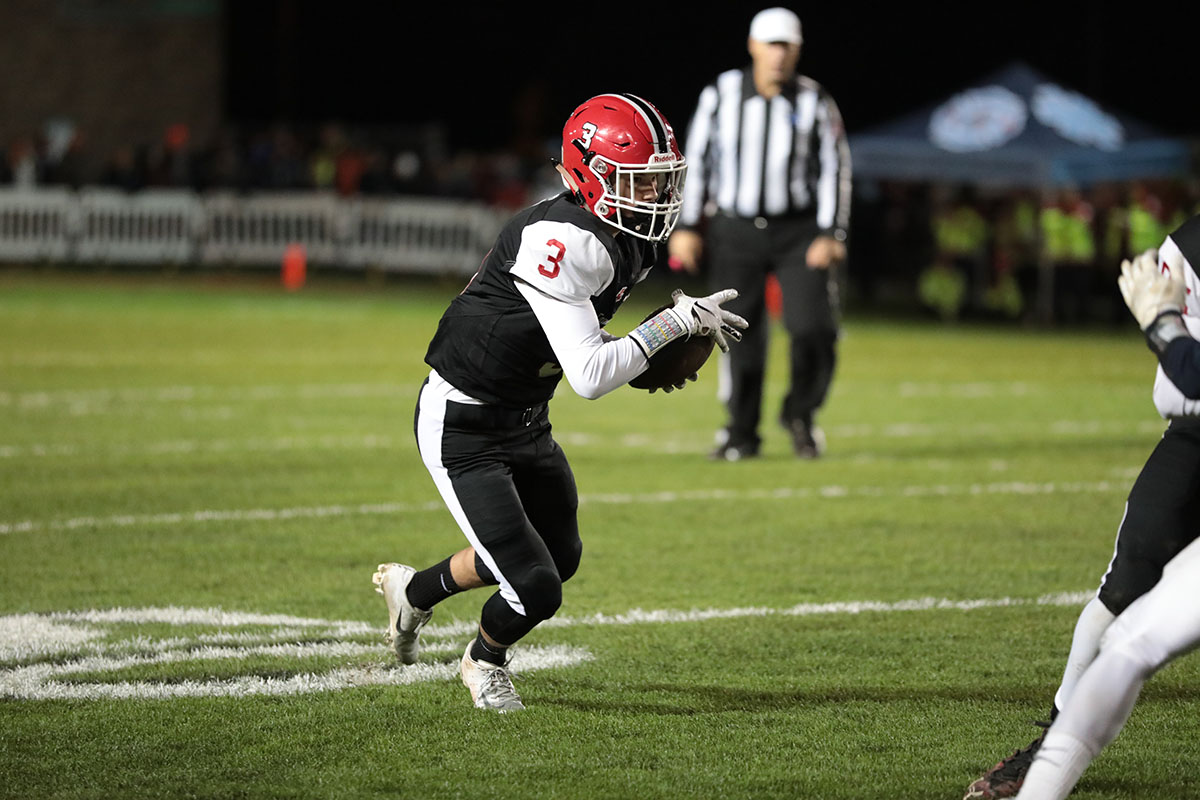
x: 753, y: 157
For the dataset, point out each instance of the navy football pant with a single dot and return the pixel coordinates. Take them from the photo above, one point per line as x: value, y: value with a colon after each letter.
x: 509, y: 487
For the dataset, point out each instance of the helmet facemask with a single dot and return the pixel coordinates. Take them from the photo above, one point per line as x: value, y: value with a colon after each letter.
x: 643, y: 200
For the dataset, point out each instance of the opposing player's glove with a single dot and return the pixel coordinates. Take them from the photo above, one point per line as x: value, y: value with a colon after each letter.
x: 1155, y: 298
x: 690, y: 316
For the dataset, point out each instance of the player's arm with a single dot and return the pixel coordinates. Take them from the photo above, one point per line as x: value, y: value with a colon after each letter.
x: 593, y: 362
x: 558, y: 268
x: 1156, y: 299
x: 686, y: 245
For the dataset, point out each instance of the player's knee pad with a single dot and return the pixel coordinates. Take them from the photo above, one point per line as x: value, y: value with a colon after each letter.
x: 566, y: 560
x: 502, y: 622
x: 540, y: 592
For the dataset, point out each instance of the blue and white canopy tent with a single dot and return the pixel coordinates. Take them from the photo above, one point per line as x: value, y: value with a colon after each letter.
x: 1017, y: 129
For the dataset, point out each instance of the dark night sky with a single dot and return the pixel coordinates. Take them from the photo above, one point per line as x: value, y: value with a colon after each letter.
x: 466, y: 65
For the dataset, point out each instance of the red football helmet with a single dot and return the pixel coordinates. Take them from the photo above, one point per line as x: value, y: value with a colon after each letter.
x: 618, y: 151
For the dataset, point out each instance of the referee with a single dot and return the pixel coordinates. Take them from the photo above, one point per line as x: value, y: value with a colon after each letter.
x: 770, y: 183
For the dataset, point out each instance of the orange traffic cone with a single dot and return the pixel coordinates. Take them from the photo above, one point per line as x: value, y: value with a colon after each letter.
x: 294, y: 267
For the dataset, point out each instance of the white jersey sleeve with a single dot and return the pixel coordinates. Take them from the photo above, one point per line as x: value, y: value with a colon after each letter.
x: 562, y: 261
x: 1169, y: 401
x: 593, y: 361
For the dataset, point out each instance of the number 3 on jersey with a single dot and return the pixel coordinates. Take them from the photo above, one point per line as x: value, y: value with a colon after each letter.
x: 551, y: 270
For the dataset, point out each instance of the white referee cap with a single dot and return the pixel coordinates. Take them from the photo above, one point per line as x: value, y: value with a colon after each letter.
x: 776, y: 25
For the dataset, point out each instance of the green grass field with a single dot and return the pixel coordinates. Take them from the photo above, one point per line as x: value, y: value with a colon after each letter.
x: 198, y: 478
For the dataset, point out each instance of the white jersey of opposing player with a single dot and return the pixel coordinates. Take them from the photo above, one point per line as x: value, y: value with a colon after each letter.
x: 1169, y: 401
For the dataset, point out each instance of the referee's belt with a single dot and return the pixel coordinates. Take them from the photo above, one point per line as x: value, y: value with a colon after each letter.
x: 765, y: 221
x: 494, y: 416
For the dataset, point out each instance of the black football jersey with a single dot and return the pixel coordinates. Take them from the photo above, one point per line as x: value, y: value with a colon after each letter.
x: 489, y: 344
x: 1184, y: 242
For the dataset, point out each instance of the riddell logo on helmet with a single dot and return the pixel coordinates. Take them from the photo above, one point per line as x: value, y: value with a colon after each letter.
x: 659, y: 158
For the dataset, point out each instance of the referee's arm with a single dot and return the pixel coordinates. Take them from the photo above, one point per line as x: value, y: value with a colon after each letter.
x: 686, y: 245
x: 833, y: 187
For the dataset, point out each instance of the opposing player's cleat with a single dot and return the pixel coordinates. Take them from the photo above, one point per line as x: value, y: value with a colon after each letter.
x: 404, y: 619
x: 491, y: 686
x: 1005, y: 779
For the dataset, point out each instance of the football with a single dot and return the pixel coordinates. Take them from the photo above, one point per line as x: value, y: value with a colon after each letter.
x: 674, y: 363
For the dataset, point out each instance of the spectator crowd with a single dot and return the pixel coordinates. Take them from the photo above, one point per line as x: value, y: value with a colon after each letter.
x: 969, y: 251
x: 277, y: 157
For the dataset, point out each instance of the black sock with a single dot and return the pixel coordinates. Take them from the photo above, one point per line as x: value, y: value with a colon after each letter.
x: 491, y: 653
x: 431, y: 586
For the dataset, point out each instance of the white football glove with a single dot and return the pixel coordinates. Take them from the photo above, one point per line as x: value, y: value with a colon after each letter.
x: 691, y: 316
x: 704, y: 316
x: 1148, y: 291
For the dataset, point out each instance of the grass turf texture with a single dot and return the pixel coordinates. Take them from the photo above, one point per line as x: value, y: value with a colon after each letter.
x: 194, y: 444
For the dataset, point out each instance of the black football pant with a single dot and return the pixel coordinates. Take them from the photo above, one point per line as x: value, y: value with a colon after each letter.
x: 1162, y: 516
x: 509, y: 486
x: 742, y: 252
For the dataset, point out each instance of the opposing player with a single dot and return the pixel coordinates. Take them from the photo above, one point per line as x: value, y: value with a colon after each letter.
x: 1162, y: 505
x: 1160, y: 625
x: 536, y: 310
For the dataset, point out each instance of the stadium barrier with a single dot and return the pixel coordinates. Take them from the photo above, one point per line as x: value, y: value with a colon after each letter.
x: 37, y: 225
x: 153, y: 226
x: 94, y: 225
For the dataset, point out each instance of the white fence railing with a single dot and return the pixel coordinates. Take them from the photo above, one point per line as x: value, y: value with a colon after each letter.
x: 427, y: 235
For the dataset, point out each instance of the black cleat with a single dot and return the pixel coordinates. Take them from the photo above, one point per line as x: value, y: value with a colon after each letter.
x: 733, y: 452
x: 1005, y: 779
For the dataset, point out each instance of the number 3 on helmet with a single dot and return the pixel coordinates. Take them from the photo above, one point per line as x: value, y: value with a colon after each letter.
x: 621, y: 161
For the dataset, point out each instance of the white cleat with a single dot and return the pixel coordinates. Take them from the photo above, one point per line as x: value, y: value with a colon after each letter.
x: 491, y: 686
x: 404, y: 619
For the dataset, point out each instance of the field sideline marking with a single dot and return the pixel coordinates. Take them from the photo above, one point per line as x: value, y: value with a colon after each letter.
x: 185, y: 392
x: 45, y: 650
x: 676, y: 444
x: 178, y: 394
x: 621, y: 498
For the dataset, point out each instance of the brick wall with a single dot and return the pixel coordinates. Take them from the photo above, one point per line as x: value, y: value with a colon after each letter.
x: 123, y: 70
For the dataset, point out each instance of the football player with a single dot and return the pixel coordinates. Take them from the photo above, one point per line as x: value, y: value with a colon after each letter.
x: 1163, y: 623
x: 534, y: 312
x: 1157, y: 526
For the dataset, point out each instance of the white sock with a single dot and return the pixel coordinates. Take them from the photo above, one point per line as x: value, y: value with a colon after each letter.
x: 1085, y: 644
x: 1099, y: 707
x: 1056, y: 768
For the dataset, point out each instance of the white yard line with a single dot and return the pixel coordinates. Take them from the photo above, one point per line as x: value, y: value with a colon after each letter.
x: 209, y: 516
x: 47, y: 653
x: 187, y: 446
x: 669, y: 444
x: 191, y: 394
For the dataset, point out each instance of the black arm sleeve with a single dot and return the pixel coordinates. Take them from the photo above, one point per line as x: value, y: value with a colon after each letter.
x: 1181, y: 362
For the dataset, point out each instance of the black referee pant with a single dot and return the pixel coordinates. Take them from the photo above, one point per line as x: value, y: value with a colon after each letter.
x: 742, y: 252
x: 509, y: 487
x: 1162, y: 516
